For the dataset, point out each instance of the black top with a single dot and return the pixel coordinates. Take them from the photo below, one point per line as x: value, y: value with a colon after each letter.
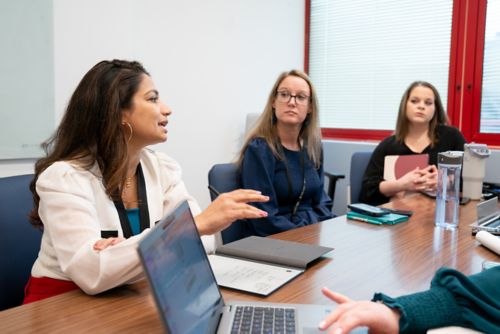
x: 449, y: 139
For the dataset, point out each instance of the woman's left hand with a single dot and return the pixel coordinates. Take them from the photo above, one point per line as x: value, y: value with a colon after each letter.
x: 105, y: 243
x: 227, y: 208
x: 428, y: 180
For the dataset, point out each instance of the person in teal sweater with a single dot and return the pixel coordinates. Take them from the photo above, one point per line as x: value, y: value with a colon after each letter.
x: 452, y: 300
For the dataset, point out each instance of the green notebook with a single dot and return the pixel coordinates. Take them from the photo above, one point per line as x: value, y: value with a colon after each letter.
x: 388, y: 219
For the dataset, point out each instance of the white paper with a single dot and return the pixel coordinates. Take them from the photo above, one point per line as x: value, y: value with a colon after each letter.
x: 250, y: 276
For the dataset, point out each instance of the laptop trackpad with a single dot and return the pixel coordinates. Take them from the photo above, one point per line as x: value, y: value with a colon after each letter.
x: 311, y: 315
x: 359, y: 330
x: 308, y: 330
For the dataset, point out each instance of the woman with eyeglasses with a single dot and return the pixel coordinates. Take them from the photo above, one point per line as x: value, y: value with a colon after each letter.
x: 99, y: 189
x: 421, y: 128
x: 282, y: 157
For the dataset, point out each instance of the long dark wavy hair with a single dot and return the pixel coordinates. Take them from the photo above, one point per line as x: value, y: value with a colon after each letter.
x: 91, y: 129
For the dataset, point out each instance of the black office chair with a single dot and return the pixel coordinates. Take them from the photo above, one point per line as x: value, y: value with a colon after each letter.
x: 19, y: 240
x: 359, y: 162
x: 225, y: 178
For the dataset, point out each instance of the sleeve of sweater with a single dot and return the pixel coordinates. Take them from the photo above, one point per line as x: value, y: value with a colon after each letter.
x: 452, y: 300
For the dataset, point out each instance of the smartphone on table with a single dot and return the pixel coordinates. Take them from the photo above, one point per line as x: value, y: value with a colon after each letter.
x: 367, y: 209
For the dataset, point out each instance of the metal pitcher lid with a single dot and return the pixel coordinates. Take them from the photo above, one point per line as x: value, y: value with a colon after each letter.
x: 450, y: 157
x: 479, y: 150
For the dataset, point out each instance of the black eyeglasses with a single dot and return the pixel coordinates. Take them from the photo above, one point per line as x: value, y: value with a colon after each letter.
x: 285, y: 97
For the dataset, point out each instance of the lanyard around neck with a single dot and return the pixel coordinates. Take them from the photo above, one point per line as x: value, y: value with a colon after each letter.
x: 143, y: 206
x: 289, y: 180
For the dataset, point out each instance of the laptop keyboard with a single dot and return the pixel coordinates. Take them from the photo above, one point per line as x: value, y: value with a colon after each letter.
x: 254, y: 319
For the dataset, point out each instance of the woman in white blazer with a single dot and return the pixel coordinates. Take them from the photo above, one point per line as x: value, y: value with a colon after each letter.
x: 99, y: 189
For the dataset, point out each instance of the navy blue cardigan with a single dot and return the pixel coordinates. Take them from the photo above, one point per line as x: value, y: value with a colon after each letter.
x: 261, y: 170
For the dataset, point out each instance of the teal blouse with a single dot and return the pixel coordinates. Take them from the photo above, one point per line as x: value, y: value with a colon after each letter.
x: 133, y: 218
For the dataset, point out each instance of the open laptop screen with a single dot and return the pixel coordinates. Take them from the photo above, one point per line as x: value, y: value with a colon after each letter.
x: 180, y: 276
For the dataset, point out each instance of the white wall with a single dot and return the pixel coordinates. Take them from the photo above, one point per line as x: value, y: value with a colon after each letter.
x: 212, y: 61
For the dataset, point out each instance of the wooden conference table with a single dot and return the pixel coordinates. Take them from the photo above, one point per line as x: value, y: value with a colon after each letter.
x: 396, y: 259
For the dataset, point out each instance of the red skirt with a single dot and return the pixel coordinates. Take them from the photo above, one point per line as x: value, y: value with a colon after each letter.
x: 39, y: 288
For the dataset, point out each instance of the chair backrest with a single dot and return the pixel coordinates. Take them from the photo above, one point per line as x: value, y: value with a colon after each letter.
x: 19, y: 240
x: 251, y: 120
x: 359, y: 162
x: 225, y: 178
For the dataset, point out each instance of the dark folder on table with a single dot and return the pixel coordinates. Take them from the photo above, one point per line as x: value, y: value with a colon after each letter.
x: 388, y: 219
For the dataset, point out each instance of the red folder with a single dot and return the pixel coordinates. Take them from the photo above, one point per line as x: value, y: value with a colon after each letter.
x: 396, y: 166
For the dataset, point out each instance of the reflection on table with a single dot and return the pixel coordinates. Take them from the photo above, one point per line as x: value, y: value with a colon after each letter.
x: 395, y: 259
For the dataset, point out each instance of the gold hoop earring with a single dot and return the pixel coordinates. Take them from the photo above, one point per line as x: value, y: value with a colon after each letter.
x: 131, y: 131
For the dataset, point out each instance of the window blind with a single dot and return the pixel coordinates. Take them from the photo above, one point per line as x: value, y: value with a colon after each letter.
x: 490, y: 98
x: 363, y: 55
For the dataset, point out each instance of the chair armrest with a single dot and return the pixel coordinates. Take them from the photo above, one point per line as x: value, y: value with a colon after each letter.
x: 334, y: 176
x: 332, y: 182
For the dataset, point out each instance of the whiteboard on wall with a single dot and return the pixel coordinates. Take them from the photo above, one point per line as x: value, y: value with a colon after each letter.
x: 27, y: 115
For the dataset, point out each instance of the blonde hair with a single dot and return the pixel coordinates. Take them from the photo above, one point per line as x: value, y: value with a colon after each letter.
x: 266, y: 124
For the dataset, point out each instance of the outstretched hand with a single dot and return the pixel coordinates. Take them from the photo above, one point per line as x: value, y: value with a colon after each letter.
x: 227, y: 208
x: 350, y: 314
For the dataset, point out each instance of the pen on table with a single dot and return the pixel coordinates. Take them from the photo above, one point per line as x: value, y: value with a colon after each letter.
x: 213, y: 190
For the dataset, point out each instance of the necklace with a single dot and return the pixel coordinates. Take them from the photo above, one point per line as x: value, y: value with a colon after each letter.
x: 140, y: 199
x: 128, y: 182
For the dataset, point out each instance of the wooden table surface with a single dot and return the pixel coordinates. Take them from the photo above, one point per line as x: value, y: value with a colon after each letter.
x: 397, y: 259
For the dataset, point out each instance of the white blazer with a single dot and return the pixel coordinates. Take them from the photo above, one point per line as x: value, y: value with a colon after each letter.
x: 74, y: 209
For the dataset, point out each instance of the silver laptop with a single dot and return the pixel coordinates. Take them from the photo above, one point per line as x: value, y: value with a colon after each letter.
x: 488, y: 217
x: 187, y: 295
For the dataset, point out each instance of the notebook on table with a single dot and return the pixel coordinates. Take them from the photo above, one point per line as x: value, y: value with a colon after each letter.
x: 388, y: 219
x: 188, y: 298
x: 396, y: 166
